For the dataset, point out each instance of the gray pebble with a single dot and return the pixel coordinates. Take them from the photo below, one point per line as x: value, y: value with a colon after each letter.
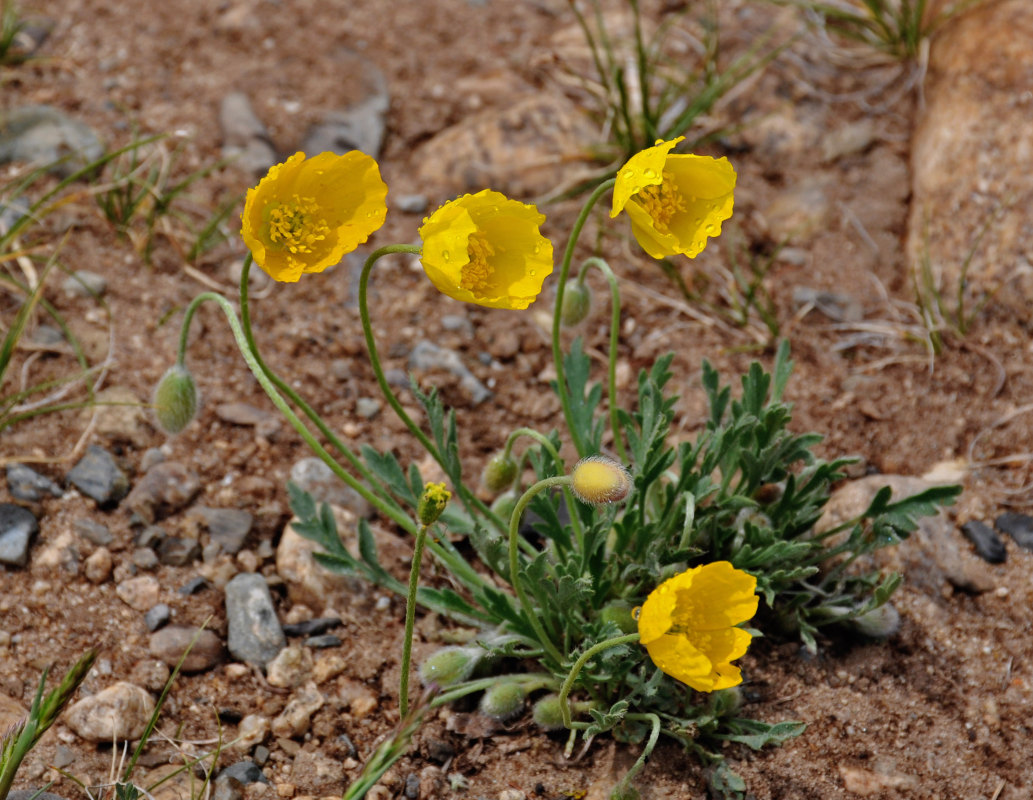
x: 44, y: 135
x: 987, y: 544
x: 427, y: 355
x: 227, y: 526
x: 412, y: 203
x: 17, y: 529
x: 165, y: 489
x: 244, y: 771
x: 169, y: 644
x: 94, y: 531
x: 145, y: 558
x: 323, y: 642
x: 28, y: 485
x: 157, y: 617
x: 98, y: 477
x: 151, y: 457
x: 150, y: 536
x: 193, y: 586
x: 367, y: 407
x: 254, y: 633
x: 1018, y: 526
x: 83, y: 283
x: 316, y: 478
x: 457, y: 323
x: 176, y: 551
x: 311, y: 627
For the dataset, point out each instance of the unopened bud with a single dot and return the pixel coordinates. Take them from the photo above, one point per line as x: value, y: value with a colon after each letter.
x: 499, y: 473
x: 879, y: 623
x: 725, y: 702
x: 620, y: 615
x: 504, y: 505
x: 503, y: 701
x: 175, y: 399
x: 548, y: 713
x: 450, y: 665
x: 577, y: 302
x: 433, y: 501
x: 597, y: 480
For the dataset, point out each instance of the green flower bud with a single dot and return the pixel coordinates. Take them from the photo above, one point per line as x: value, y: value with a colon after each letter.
x: 450, y: 665
x: 175, y: 399
x: 599, y: 480
x: 725, y: 702
x: 577, y: 302
x: 619, y: 613
x: 879, y: 623
x: 504, y: 505
x: 548, y: 713
x: 499, y: 473
x: 503, y: 701
x: 432, y: 503
x: 623, y: 791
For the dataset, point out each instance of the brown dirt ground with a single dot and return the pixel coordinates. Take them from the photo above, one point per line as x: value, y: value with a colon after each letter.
x: 941, y: 710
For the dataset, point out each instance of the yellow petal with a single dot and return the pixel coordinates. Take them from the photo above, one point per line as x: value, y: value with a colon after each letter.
x: 677, y: 657
x: 643, y: 169
x: 722, y: 596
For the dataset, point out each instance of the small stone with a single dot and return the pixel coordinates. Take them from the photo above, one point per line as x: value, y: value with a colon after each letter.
x: 316, y: 478
x: 165, y: 489
x: 457, y: 323
x: 254, y: 632
x: 94, y: 531
x: 252, y: 731
x: 296, y: 717
x: 427, y: 355
x: 323, y: 642
x: 245, y: 140
x: 98, y: 477
x: 362, y: 124
x: 307, y: 581
x: 157, y: 616
x: 169, y: 644
x: 152, y: 456
x: 1018, y: 526
x: 151, y: 673
x: 311, y: 627
x: 193, y: 586
x: 412, y: 203
x: 140, y: 593
x: 245, y: 415
x: 847, y: 140
x: 244, y: 771
x: 291, y: 667
x: 227, y: 526
x: 987, y: 544
x: 119, y: 416
x: 145, y: 558
x: 367, y: 407
x: 44, y: 135
x: 175, y: 551
x: 412, y: 786
x: 28, y: 485
x: 83, y: 283
x: 97, y: 567
x: 18, y: 527
x: 150, y: 536
x: 120, y: 712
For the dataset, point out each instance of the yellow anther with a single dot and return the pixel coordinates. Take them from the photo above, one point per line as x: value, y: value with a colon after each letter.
x: 296, y: 226
x: 662, y: 201
x: 477, y: 273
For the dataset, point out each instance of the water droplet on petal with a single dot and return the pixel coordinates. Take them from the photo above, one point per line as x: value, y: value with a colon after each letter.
x: 649, y: 174
x: 446, y: 256
x: 635, y: 612
x: 530, y: 272
x: 698, y: 221
x: 710, y: 229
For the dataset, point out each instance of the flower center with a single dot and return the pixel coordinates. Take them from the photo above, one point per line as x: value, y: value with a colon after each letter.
x: 662, y: 202
x: 477, y: 272
x: 296, y: 225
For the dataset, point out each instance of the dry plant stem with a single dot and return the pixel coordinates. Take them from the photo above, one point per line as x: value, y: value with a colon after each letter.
x: 568, y: 683
x: 615, y: 324
x: 514, y: 563
x: 557, y: 352
x: 410, y: 619
x: 378, y: 370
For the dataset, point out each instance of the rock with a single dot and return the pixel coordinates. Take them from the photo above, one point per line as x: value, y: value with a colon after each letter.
x: 145, y: 558
x: 11, y: 712
x: 266, y: 423
x: 254, y: 633
x: 307, y: 581
x: 120, y: 416
x: 848, y: 140
x: 367, y: 407
x: 971, y: 166
x: 150, y: 673
x: 227, y: 526
x: 361, y: 124
x: 165, y: 489
x: 932, y: 555
x: 28, y: 485
x: 193, y: 586
x: 1018, y: 526
x: 532, y: 146
x: 83, y: 283
x: 291, y: 667
x: 120, y: 712
x: 244, y: 771
x: 98, y: 477
x: 253, y: 730
x: 94, y: 531
x: 987, y: 544
x: 43, y: 135
x: 315, y: 477
x: 311, y: 627
x: 800, y: 211
x: 427, y: 355
x: 140, y: 593
x: 323, y: 642
x: 176, y: 551
x: 18, y: 527
x: 296, y: 717
x: 59, y: 552
x: 169, y: 644
x: 318, y: 773
x: 157, y: 616
x: 412, y: 204
x: 245, y: 140
x: 97, y: 567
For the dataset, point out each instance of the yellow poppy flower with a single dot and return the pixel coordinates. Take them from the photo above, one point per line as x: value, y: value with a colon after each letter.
x: 674, y: 201
x: 305, y: 214
x: 486, y: 249
x: 688, y: 625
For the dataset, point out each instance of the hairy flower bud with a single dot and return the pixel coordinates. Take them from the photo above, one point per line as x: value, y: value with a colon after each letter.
x: 503, y: 701
x: 620, y: 615
x: 450, y: 665
x: 499, y: 473
x: 432, y: 503
x: 879, y: 623
x: 577, y: 302
x: 548, y: 713
x: 598, y: 480
x: 504, y: 505
x: 175, y: 399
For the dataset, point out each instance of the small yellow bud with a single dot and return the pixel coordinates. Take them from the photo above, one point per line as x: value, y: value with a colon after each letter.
x: 432, y: 503
x: 597, y: 480
x: 175, y: 399
x: 577, y: 302
x: 499, y: 473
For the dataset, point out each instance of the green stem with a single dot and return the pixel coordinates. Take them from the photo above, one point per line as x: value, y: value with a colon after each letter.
x: 620, y: 790
x: 568, y: 683
x: 557, y: 353
x: 514, y: 564
x: 294, y: 397
x: 410, y: 619
x: 568, y: 496
x: 464, y: 492
x: 615, y: 323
